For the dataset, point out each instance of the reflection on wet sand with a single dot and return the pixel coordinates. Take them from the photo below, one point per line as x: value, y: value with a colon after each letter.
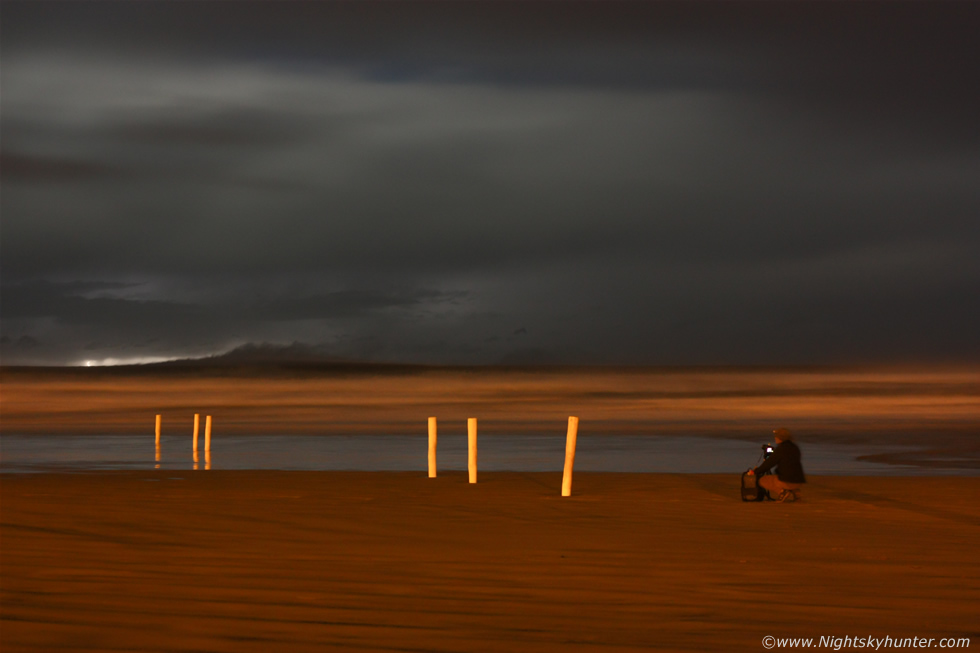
x: 518, y: 453
x: 864, y: 403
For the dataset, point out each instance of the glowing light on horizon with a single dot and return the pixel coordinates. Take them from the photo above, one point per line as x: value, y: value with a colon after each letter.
x: 138, y: 360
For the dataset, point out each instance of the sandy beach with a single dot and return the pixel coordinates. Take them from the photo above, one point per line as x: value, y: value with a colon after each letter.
x: 935, y: 411
x: 237, y: 560
x: 270, y: 400
x: 264, y: 560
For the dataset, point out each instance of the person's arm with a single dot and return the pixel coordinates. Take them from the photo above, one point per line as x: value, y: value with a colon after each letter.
x: 769, y: 462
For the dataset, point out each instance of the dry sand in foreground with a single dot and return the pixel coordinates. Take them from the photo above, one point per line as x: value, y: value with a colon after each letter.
x: 313, y: 561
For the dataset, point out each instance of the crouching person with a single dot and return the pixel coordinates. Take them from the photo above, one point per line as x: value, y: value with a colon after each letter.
x: 785, y: 484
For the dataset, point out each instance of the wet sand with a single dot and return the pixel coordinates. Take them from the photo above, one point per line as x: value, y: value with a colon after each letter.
x: 313, y: 561
x: 936, y: 411
x: 823, y: 401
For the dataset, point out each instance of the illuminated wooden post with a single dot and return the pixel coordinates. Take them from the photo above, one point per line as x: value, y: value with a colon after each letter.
x: 197, y: 427
x: 570, y: 440
x: 471, y: 460
x: 432, y: 447
x: 159, y: 417
x: 207, y: 442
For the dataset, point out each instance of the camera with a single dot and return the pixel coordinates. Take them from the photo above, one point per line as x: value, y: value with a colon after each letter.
x: 767, y: 450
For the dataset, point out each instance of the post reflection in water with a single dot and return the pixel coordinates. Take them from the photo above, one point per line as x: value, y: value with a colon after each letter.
x: 515, y: 453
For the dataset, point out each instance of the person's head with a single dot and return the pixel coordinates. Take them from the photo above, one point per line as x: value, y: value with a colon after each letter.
x: 782, y: 435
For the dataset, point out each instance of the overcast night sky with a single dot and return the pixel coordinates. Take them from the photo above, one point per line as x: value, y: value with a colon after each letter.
x: 605, y: 183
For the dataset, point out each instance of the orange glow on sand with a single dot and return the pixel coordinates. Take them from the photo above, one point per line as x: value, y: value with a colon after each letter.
x: 609, y: 401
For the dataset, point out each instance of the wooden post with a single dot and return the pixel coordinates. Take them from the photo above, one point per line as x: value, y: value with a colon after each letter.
x: 197, y: 427
x: 158, y: 441
x: 570, y: 441
x: 471, y: 460
x: 207, y: 442
x: 432, y: 447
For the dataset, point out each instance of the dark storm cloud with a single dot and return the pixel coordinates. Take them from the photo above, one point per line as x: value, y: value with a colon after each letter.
x: 72, y: 304
x: 100, y: 313
x: 222, y: 130
x: 908, y: 54
x: 347, y: 303
x: 31, y: 168
x: 629, y: 182
x: 87, y: 303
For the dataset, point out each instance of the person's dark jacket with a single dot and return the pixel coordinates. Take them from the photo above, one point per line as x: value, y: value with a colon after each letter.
x: 786, y: 460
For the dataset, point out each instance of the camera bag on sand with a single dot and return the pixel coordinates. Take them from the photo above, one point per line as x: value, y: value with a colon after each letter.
x: 751, y: 491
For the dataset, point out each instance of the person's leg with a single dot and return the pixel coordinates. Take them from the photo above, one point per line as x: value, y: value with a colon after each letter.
x: 792, y: 491
x: 771, y: 484
x: 779, y: 490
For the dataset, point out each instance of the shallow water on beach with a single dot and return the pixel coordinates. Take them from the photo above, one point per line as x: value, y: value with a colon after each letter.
x: 527, y: 453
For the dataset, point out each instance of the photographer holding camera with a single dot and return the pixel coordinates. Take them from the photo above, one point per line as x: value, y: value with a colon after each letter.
x: 789, y: 478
